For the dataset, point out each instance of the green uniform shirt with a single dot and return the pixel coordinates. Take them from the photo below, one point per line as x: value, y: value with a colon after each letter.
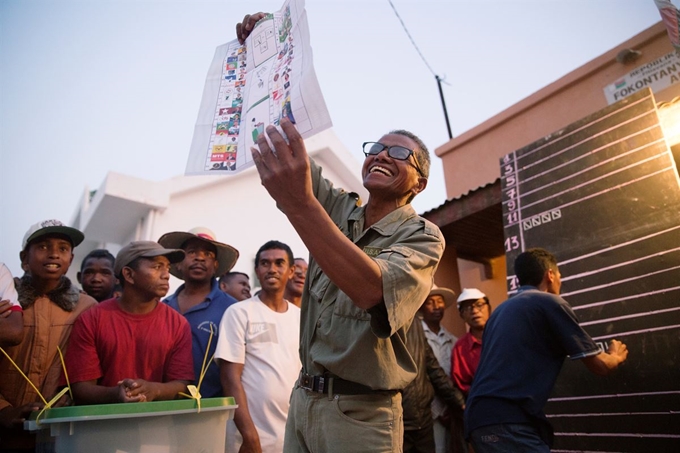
x: 368, y: 346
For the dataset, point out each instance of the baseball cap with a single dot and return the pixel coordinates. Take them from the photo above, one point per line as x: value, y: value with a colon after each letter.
x: 145, y: 249
x: 470, y: 294
x: 52, y: 226
x: 226, y: 254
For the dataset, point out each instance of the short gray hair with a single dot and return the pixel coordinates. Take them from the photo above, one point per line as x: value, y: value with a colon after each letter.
x: 422, y: 155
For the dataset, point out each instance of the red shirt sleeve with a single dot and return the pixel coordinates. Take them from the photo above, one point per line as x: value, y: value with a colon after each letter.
x: 456, y: 368
x: 180, y: 363
x: 81, y: 359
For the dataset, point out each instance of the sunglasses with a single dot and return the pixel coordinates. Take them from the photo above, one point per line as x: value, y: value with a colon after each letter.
x: 395, y: 152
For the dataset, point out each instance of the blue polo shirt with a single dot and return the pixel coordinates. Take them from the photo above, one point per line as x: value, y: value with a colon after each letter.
x: 524, y: 346
x: 202, y: 318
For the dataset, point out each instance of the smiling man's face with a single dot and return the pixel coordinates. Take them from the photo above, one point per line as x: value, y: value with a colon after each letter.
x: 273, y: 270
x: 387, y: 177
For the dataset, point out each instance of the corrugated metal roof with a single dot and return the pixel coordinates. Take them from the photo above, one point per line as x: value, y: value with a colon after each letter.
x: 460, y: 197
x: 473, y: 223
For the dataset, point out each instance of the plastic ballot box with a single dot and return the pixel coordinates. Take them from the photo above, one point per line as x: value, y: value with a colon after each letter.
x: 176, y: 426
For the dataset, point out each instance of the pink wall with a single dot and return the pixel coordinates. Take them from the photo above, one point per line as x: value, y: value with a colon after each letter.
x: 472, y: 275
x: 574, y: 96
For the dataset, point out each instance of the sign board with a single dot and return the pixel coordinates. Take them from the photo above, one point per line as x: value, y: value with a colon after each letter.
x: 657, y: 75
x: 603, y: 195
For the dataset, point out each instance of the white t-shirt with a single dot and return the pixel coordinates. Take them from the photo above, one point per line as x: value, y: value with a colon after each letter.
x: 7, y: 290
x: 267, y: 344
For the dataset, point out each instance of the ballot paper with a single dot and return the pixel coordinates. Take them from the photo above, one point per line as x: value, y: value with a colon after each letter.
x: 252, y: 86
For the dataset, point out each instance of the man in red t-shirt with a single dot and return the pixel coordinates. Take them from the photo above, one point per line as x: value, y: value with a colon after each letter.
x: 132, y: 348
x: 474, y: 308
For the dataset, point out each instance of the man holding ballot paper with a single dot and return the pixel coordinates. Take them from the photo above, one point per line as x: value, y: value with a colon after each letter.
x: 370, y: 269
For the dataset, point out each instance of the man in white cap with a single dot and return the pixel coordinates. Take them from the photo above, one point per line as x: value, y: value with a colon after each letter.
x: 441, y: 341
x: 474, y: 309
x: 132, y: 348
x: 200, y: 299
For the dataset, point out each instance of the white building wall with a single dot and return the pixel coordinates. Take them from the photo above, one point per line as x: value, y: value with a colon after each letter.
x: 240, y: 212
x: 237, y: 208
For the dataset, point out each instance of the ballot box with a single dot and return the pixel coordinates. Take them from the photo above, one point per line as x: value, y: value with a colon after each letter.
x: 176, y: 426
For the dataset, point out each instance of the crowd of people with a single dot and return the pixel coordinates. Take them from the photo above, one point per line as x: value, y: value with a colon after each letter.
x: 128, y: 342
x: 354, y: 337
x: 125, y: 346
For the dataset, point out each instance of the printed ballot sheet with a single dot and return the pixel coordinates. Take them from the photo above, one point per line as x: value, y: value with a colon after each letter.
x: 252, y: 86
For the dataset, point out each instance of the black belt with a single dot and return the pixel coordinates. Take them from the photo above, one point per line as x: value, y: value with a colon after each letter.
x: 327, y: 383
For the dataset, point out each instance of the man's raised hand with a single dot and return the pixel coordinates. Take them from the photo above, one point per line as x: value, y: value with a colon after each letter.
x: 284, y: 170
x: 244, y: 28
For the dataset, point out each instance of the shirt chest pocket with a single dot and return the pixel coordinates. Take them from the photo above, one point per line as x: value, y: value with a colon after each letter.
x: 345, y: 308
x: 323, y: 291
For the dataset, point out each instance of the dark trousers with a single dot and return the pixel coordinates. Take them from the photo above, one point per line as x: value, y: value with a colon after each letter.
x: 419, y: 440
x: 458, y: 442
x: 508, y: 437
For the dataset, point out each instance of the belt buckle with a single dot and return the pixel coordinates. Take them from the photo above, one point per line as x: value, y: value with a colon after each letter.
x: 311, y: 383
x: 307, y: 382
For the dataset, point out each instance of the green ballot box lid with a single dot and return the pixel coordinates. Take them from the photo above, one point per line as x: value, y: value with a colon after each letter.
x: 131, y: 410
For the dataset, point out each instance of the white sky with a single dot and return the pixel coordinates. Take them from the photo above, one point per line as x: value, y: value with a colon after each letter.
x: 92, y: 86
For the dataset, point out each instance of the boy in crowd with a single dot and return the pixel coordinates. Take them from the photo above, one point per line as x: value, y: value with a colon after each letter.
x: 96, y: 274
x: 236, y: 284
x: 50, y: 306
x: 296, y: 284
x: 133, y: 348
x: 258, y: 355
x: 199, y: 299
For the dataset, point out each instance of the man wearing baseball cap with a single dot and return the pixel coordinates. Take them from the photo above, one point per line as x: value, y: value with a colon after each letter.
x: 200, y: 299
x: 133, y: 348
x: 474, y: 309
x: 50, y: 306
